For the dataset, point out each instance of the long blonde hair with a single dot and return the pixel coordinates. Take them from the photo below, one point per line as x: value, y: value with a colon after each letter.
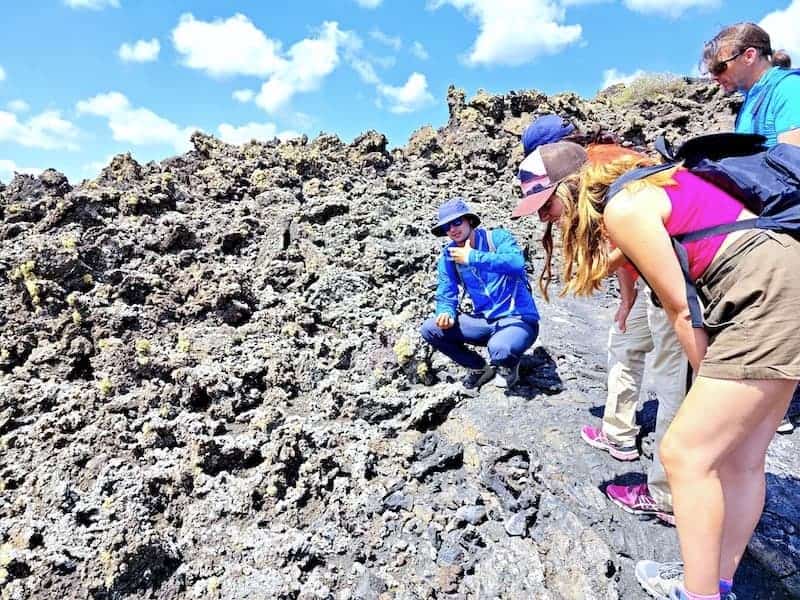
x: 583, y: 237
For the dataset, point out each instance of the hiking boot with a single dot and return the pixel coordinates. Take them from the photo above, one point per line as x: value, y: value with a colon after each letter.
x: 659, y: 579
x: 595, y: 437
x: 786, y: 426
x: 475, y: 378
x: 635, y: 499
x: 506, y: 377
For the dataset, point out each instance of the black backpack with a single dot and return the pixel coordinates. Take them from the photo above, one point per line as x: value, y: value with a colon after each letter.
x: 767, y: 182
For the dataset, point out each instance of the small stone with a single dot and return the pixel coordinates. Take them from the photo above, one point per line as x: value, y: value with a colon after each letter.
x: 517, y: 524
x: 474, y: 515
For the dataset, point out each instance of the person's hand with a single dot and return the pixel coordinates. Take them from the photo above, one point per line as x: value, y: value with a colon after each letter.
x: 444, y: 321
x: 623, y: 310
x: 461, y: 254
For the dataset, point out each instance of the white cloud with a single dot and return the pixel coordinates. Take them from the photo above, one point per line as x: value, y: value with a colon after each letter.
x: 669, y: 8
x: 140, y: 51
x: 308, y: 62
x: 46, y: 130
x: 235, y: 46
x: 514, y: 32
x: 137, y: 126
x: 243, y: 96
x: 92, y: 4
x: 9, y: 167
x: 252, y: 131
x: 783, y: 31
x: 231, y: 47
x: 18, y: 106
x: 98, y: 165
x: 613, y: 76
x: 394, y: 42
x: 418, y: 50
x: 411, y: 96
x: 365, y: 70
x: 2, y: 73
x: 369, y: 3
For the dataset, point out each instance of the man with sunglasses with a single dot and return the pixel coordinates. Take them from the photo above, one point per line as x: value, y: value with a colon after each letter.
x: 740, y: 58
x: 490, y: 267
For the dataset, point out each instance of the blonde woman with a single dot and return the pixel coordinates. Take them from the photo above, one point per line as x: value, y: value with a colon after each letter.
x: 747, y: 356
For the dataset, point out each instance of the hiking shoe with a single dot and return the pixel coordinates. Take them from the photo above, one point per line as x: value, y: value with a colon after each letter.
x: 506, y: 377
x: 659, y: 579
x: 786, y: 426
x: 595, y: 437
x: 635, y: 499
x: 475, y: 378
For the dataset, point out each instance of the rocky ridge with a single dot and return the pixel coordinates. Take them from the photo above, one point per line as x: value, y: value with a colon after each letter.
x: 211, y: 385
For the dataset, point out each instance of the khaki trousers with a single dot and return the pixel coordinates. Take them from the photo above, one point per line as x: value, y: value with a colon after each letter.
x: 648, y: 332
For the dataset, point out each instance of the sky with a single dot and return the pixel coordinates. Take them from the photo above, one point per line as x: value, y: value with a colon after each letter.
x: 83, y: 80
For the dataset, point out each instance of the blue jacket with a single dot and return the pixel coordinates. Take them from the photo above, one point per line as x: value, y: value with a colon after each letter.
x: 772, y: 106
x: 495, y: 281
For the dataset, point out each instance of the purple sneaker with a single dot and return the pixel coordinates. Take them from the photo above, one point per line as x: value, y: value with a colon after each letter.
x: 635, y: 499
x: 595, y: 437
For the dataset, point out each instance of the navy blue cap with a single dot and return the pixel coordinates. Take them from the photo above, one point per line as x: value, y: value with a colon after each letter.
x: 450, y: 211
x: 545, y: 130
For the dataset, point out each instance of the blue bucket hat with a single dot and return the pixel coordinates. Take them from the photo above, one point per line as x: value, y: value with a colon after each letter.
x: 450, y: 211
x: 545, y: 130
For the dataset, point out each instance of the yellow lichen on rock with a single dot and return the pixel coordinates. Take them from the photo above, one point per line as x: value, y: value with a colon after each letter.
x: 403, y: 350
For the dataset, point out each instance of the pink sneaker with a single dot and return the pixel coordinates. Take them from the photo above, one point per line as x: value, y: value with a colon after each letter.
x: 635, y: 499
x: 595, y: 437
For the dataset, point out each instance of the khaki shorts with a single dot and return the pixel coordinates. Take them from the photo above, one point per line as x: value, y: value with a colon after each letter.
x: 752, y: 298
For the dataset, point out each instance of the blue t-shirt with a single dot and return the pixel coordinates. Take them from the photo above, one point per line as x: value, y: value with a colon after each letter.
x: 771, y: 106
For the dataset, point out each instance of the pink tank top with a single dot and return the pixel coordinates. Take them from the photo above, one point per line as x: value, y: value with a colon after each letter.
x: 697, y: 204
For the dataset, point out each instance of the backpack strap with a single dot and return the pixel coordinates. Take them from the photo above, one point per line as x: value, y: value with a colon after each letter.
x: 692, y: 299
x: 633, y: 175
x: 699, y: 234
x: 664, y: 148
x: 492, y: 248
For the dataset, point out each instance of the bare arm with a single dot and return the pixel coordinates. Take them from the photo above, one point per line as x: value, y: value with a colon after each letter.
x: 627, y: 293
x: 635, y: 222
x: 790, y: 137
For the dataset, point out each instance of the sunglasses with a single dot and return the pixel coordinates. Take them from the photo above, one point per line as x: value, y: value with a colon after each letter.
x: 454, y: 223
x: 720, y: 66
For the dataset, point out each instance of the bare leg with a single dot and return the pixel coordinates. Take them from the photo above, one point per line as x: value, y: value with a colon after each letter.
x: 719, y: 419
x: 744, y: 483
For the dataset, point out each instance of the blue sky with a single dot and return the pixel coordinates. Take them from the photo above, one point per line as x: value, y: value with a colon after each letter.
x: 82, y: 80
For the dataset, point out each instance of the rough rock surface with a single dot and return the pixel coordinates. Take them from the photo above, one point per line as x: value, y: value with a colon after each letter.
x: 212, y: 386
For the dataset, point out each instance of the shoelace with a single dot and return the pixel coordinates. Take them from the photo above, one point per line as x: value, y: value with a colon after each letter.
x: 671, y: 571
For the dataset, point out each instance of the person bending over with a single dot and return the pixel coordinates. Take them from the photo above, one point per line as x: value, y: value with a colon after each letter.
x: 746, y: 356
x: 639, y: 329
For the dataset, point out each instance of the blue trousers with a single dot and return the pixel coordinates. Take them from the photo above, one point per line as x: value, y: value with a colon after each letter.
x: 506, y: 339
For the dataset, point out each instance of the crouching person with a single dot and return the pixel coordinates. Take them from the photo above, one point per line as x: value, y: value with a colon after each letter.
x: 490, y: 267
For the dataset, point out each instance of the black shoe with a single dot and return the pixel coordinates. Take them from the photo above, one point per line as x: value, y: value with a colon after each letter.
x: 475, y: 378
x: 507, y: 377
